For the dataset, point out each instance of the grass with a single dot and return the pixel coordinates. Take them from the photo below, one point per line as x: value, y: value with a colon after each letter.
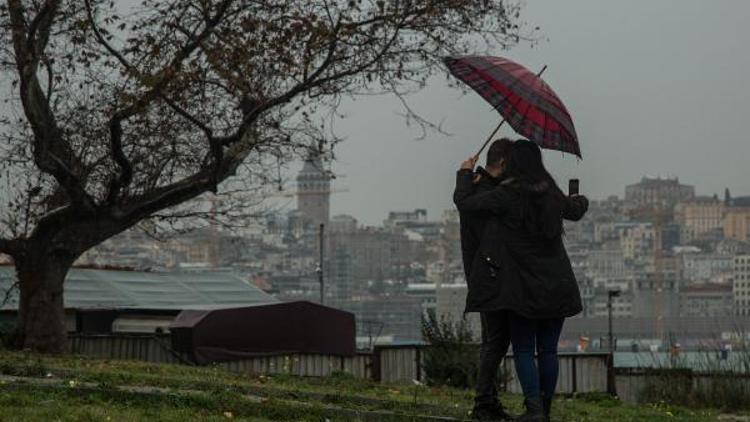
x: 33, y: 404
x: 74, y: 388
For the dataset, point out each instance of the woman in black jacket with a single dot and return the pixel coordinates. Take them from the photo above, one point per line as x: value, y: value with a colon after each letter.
x: 529, y: 263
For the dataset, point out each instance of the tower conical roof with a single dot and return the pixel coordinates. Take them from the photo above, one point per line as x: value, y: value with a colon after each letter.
x: 313, y: 169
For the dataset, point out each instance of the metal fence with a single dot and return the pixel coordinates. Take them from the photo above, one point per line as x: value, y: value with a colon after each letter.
x: 157, y: 348
x: 579, y: 372
x: 151, y: 348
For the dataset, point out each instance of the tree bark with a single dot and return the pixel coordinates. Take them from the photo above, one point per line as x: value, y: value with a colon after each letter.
x: 41, y: 312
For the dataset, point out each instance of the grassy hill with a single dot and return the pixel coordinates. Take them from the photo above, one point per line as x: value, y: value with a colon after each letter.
x: 75, y: 388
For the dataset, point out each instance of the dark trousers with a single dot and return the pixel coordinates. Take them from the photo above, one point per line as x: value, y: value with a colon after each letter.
x: 495, y: 343
x: 528, y: 336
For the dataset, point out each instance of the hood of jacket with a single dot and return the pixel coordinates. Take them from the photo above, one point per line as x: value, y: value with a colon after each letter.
x: 541, y: 211
x: 528, y: 187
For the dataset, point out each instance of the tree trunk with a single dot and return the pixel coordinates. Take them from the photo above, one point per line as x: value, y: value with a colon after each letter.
x: 41, y: 313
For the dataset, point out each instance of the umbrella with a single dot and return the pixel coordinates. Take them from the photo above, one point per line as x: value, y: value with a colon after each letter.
x: 524, y: 100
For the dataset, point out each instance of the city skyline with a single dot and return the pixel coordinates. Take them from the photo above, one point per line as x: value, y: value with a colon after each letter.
x: 673, y: 254
x: 289, y: 205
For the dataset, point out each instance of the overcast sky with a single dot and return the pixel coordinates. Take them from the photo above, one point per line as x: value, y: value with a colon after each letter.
x: 655, y: 88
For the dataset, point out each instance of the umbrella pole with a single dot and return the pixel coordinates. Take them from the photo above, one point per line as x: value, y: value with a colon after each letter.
x: 489, y: 139
x: 484, y: 145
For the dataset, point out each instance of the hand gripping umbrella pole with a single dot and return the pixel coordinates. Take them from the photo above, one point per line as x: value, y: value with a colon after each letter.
x: 484, y: 145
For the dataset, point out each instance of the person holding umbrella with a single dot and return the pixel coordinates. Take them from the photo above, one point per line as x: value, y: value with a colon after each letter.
x: 527, y: 264
x: 494, y: 323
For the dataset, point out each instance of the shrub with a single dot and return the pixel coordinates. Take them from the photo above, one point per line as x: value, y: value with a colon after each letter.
x: 452, y: 357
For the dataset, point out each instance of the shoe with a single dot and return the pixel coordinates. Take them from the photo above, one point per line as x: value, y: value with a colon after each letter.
x: 494, y: 413
x: 534, y: 411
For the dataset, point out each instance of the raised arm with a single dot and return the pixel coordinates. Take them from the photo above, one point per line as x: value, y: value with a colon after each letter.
x: 464, y: 185
x: 469, y: 241
x: 465, y: 199
x: 575, y: 207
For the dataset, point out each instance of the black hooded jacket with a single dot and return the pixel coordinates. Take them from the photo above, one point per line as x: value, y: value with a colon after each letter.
x: 472, y: 222
x: 517, y: 267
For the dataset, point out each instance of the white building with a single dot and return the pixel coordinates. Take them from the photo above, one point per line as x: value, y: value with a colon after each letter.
x: 701, y: 267
x: 706, y: 300
x: 608, y: 261
x: 622, y: 305
x: 741, y: 285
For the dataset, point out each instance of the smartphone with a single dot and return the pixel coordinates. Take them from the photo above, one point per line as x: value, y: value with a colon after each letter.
x: 573, y: 185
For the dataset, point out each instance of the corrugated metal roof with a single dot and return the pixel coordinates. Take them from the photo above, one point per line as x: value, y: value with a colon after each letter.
x: 108, y: 289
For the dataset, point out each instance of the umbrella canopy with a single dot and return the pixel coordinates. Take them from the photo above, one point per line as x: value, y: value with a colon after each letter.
x: 526, y: 102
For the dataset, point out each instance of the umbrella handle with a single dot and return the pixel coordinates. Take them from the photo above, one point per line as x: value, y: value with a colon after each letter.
x: 476, y: 157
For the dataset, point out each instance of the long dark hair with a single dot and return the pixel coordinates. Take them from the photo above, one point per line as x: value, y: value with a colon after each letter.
x: 542, y: 198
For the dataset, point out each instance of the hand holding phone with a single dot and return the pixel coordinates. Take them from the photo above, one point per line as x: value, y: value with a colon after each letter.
x: 573, y: 186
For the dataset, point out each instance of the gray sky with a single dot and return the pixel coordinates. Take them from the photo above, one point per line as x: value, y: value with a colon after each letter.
x: 655, y: 88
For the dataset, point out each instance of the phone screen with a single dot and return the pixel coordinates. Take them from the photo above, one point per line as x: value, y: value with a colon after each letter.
x: 573, y: 187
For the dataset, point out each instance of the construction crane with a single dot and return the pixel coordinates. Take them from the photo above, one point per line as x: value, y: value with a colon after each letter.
x: 658, y: 216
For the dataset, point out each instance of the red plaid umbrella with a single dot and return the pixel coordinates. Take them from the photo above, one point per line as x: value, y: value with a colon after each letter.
x: 524, y: 100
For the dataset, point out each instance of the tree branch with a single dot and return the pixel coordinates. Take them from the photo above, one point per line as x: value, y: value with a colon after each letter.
x: 253, y: 114
x: 189, y: 187
x: 312, y: 82
x: 97, y: 34
x: 118, y: 154
x: 52, y: 153
x: 41, y: 23
x: 145, y: 100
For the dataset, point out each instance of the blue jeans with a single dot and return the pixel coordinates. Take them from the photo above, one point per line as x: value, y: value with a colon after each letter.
x: 528, y: 336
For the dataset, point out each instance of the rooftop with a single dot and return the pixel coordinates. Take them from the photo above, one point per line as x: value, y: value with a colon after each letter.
x: 740, y: 201
x: 107, y: 289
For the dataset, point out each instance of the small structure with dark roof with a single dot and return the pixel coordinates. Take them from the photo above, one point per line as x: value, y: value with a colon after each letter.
x: 267, y: 329
x: 211, y: 316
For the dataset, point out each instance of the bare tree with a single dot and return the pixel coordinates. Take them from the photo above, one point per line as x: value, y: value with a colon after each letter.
x: 120, y: 115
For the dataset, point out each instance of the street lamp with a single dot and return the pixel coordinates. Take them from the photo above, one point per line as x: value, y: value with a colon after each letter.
x: 610, y: 295
x: 319, y: 270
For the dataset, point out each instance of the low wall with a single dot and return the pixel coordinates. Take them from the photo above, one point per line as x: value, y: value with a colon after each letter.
x: 630, y: 382
x: 157, y: 348
x: 579, y: 372
x: 149, y: 348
